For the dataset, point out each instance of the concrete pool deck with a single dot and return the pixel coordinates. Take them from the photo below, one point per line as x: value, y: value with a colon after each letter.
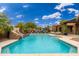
x: 61, y: 37
x: 68, y: 39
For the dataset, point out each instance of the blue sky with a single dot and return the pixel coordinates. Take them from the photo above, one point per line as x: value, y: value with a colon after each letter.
x: 42, y: 14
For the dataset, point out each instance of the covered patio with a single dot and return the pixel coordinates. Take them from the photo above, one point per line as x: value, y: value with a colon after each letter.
x: 73, y: 26
x: 56, y: 28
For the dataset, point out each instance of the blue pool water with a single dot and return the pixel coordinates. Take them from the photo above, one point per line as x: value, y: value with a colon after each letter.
x: 39, y: 43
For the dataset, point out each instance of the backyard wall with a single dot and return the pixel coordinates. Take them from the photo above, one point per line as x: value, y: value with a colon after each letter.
x: 14, y: 36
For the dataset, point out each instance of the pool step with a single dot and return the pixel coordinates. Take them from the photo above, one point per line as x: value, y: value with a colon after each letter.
x: 72, y: 50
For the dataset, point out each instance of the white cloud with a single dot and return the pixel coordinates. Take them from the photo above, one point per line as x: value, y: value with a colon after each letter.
x: 36, y: 19
x: 73, y: 10
x: 19, y: 16
x: 77, y: 14
x: 51, y: 16
x: 36, y: 22
x: 57, y: 22
x: 62, y: 5
x: 2, y: 9
x: 25, y: 6
x: 45, y: 17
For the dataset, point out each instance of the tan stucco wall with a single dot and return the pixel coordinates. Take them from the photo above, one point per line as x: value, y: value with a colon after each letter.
x: 14, y: 36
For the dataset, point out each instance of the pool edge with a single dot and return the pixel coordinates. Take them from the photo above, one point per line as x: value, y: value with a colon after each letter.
x: 74, y: 43
x: 9, y: 42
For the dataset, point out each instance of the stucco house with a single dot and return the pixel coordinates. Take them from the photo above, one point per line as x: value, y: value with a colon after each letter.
x: 72, y: 26
x: 56, y: 28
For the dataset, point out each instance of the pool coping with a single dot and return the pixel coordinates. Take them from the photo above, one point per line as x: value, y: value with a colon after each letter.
x: 7, y: 42
x: 68, y: 40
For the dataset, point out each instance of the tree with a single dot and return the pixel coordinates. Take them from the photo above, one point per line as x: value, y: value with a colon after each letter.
x: 8, y: 29
x: 4, y: 19
x: 48, y: 29
x: 1, y: 32
x: 30, y: 26
x: 64, y: 26
x: 63, y: 21
x: 4, y: 24
x: 20, y: 25
x: 39, y: 28
x: 64, y: 29
x: 74, y: 19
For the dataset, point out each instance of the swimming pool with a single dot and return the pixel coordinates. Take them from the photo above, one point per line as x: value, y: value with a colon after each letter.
x: 39, y: 43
